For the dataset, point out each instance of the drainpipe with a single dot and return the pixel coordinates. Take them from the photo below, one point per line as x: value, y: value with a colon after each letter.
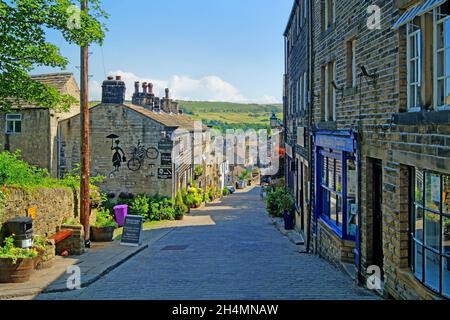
x: 310, y: 122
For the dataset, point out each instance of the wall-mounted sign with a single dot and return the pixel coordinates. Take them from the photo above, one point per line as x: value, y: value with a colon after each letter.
x: 32, y: 213
x: 166, y: 159
x: 165, y: 145
x: 164, y: 173
x: 132, y: 231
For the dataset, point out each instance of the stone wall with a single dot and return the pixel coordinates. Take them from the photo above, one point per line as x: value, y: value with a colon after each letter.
x: 131, y: 128
x: 330, y: 247
x: 53, y: 207
x: 377, y: 110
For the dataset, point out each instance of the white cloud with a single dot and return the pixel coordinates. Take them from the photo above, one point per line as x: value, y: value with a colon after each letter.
x: 208, y: 88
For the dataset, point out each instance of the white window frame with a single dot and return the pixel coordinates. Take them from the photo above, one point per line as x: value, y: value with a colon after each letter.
x: 299, y: 105
x: 354, y: 71
x: 327, y: 92
x: 415, y: 36
x: 437, y: 21
x: 305, y: 90
x: 14, y: 121
x: 305, y: 9
x: 326, y: 14
x: 333, y: 105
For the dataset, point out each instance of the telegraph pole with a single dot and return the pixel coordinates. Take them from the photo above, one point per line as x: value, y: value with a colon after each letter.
x: 85, y: 205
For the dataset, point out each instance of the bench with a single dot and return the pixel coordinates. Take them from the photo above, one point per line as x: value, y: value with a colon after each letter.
x: 61, y: 236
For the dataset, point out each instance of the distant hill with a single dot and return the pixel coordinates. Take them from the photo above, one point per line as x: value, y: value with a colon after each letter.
x: 227, y: 115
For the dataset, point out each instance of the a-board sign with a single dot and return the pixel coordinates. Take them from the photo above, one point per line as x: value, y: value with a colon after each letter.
x: 132, y: 231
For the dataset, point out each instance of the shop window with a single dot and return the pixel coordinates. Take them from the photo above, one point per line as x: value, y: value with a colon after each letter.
x: 338, y: 202
x: 13, y: 123
x: 430, y: 230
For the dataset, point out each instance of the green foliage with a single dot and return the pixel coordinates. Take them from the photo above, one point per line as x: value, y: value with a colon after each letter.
x: 245, y: 175
x: 10, y: 251
x: 23, y: 26
x: 279, y: 201
x: 71, y: 222
x: 105, y: 220
x: 194, y: 198
x: 226, y: 192
x: 40, y: 243
x: 140, y: 206
x: 198, y: 170
x: 180, y: 207
x: 15, y: 172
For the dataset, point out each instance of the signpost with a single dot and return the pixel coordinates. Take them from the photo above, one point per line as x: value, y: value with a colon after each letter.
x: 132, y: 231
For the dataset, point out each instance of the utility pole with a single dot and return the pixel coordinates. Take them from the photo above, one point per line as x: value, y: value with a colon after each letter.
x: 85, y: 205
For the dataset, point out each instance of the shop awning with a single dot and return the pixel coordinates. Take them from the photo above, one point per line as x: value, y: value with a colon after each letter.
x: 416, y: 11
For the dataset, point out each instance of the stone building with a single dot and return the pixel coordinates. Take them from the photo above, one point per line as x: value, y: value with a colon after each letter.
x: 34, y: 130
x: 296, y: 115
x: 143, y: 147
x: 381, y: 133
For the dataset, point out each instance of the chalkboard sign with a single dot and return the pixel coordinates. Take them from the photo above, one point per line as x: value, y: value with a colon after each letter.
x: 164, y: 173
x: 132, y: 231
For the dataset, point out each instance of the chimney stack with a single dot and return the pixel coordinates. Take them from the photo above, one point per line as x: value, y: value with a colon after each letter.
x: 145, y: 86
x: 150, y: 88
x: 136, y: 87
x: 118, y: 78
x: 113, y: 91
x: 167, y: 93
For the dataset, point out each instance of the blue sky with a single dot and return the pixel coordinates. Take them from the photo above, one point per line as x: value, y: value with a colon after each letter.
x: 227, y: 50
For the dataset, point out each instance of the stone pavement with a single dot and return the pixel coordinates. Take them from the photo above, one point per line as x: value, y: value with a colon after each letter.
x: 240, y: 255
x: 101, y: 259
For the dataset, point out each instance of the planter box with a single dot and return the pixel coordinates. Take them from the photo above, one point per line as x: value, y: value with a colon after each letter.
x: 16, y: 273
x: 46, y: 259
x: 105, y: 234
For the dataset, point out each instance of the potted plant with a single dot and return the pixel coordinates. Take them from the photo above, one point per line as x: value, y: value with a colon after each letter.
x: 16, y: 264
x: 180, y: 208
x: 288, y: 207
x: 103, y: 229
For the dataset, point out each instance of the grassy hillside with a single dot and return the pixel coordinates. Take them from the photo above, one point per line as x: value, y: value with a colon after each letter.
x: 226, y: 115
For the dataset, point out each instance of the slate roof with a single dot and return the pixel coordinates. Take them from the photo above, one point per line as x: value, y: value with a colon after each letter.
x: 56, y: 80
x: 167, y: 119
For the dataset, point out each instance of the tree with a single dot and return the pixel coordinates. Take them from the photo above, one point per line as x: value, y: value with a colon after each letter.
x: 23, y: 25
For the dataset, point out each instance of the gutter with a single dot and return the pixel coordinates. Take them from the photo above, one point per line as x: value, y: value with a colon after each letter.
x: 310, y: 122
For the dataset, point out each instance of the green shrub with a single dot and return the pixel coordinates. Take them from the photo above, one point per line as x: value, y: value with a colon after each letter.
x: 226, y: 192
x: 279, y: 201
x: 180, y: 207
x: 105, y: 219
x: 140, y: 206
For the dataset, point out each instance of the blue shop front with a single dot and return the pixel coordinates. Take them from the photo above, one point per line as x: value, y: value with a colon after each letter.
x: 336, y: 196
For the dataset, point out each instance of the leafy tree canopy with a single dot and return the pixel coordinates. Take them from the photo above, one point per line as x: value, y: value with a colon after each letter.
x: 24, y: 46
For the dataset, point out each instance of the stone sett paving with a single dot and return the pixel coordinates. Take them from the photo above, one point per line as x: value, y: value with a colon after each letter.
x: 242, y: 256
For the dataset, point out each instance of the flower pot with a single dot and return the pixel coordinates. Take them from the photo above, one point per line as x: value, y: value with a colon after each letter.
x: 103, y: 234
x: 179, y: 218
x: 289, y: 220
x: 16, y: 273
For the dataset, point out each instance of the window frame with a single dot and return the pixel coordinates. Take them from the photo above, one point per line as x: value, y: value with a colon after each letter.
x: 437, y: 21
x: 14, y: 121
x: 415, y: 36
x: 340, y: 228
x: 305, y: 91
x: 416, y: 242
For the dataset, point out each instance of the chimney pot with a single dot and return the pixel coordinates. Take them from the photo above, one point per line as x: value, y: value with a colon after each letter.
x: 150, y: 88
x: 136, y: 87
x: 110, y: 78
x: 145, y: 86
x: 167, y: 93
x: 118, y: 78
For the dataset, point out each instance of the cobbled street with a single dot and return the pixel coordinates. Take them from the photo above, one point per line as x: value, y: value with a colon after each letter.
x: 240, y: 256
